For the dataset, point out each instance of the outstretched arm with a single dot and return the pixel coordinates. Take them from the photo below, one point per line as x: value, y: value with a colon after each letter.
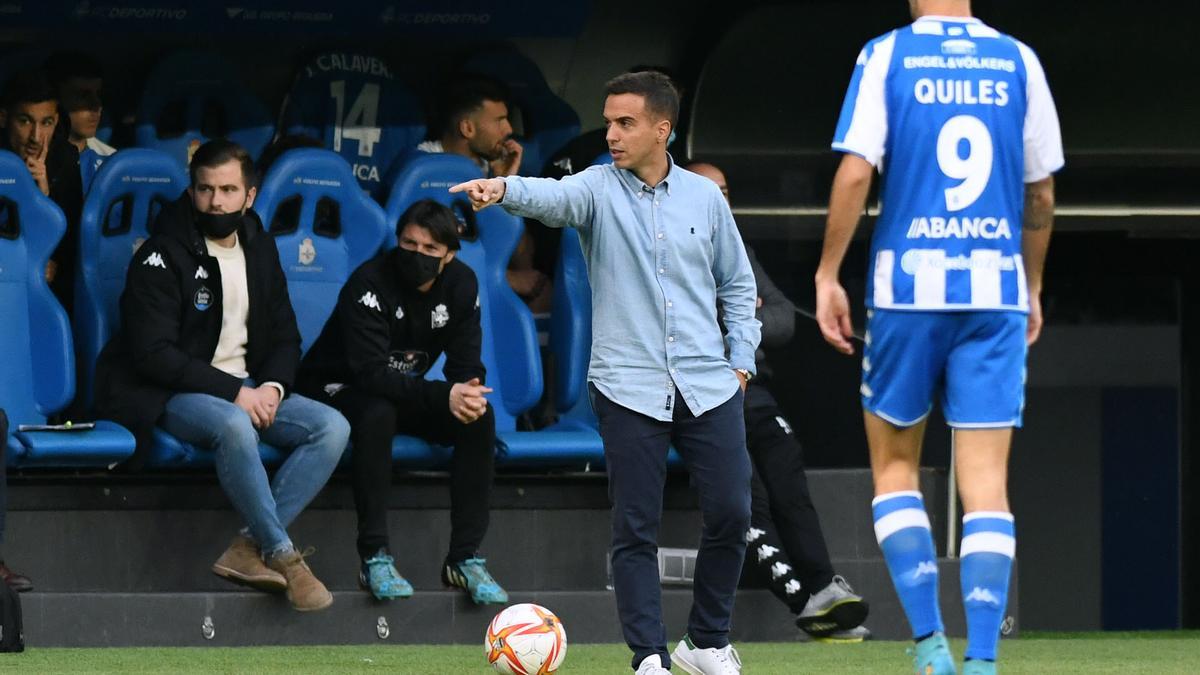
x: 568, y: 202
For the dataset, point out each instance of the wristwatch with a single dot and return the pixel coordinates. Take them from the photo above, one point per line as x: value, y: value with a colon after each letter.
x: 745, y: 374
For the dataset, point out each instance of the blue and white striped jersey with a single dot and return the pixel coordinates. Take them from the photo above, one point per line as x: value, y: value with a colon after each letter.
x: 957, y: 117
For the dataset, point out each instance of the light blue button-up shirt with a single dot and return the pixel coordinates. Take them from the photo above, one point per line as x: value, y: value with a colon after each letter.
x: 660, y: 260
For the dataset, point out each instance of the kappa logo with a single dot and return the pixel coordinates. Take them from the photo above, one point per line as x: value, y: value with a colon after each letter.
x: 783, y: 424
x: 333, y: 388
x: 308, y: 252
x: 155, y: 260
x: 792, y: 587
x: 978, y: 594
x: 200, y: 273
x: 440, y: 316
x: 766, y: 551
x: 753, y: 534
x: 369, y: 300
x: 925, y: 567
x: 780, y: 569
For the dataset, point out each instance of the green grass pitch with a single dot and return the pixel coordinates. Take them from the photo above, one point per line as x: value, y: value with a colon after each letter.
x: 1090, y: 653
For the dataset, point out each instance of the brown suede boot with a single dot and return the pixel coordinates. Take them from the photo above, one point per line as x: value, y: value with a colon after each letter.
x: 304, y: 591
x: 242, y: 564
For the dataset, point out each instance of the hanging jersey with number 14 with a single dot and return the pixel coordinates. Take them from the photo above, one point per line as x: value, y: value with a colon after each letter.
x: 957, y: 117
x: 354, y: 104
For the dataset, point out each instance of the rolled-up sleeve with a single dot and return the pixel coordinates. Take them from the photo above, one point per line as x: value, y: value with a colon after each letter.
x: 737, y: 293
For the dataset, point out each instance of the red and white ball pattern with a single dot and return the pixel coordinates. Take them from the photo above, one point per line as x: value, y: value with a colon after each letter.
x: 525, y: 639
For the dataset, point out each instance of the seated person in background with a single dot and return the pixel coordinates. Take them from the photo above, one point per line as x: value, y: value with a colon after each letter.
x: 18, y: 582
x: 79, y: 80
x: 29, y: 117
x: 786, y: 545
x: 472, y: 121
x: 208, y: 348
x: 395, y: 316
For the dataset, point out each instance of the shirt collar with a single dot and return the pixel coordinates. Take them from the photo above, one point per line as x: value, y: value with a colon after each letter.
x: 634, y: 183
x: 951, y: 19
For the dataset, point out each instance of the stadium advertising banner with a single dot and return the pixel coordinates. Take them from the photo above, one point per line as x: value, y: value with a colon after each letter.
x: 524, y: 18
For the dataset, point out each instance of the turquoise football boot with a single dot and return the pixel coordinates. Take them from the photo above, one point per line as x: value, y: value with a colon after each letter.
x: 472, y: 576
x: 932, y: 656
x: 379, y: 575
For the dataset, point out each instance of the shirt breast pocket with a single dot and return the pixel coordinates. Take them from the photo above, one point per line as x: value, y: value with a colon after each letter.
x: 694, y: 238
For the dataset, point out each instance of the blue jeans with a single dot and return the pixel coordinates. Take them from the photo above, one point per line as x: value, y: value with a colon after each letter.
x: 315, y: 433
x: 713, y: 446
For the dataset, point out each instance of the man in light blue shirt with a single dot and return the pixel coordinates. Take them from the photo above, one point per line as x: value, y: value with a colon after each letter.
x: 663, y: 253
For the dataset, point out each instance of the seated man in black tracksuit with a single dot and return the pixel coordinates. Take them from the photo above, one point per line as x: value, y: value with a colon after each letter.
x: 395, y: 316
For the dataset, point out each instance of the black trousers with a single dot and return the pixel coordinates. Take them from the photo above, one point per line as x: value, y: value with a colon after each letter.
x: 635, y: 451
x: 373, y: 422
x: 786, y: 547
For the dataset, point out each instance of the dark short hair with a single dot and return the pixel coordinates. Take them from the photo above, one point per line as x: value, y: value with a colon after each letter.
x: 465, y: 94
x: 67, y: 65
x: 28, y: 86
x: 219, y: 151
x: 660, y: 94
x: 435, y: 217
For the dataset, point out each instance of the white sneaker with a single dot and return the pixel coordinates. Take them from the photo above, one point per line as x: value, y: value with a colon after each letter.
x: 652, y: 665
x: 712, y: 661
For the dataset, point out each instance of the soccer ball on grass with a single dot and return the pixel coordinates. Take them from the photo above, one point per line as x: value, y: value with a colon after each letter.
x: 525, y: 639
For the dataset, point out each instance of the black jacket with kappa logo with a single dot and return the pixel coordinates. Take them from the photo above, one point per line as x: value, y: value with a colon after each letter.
x: 382, y: 337
x: 171, y: 311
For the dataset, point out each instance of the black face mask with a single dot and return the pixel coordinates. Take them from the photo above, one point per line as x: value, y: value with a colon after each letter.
x: 218, y: 225
x: 416, y: 268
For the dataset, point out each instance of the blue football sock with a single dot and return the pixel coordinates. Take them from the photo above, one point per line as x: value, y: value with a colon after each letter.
x: 988, y: 545
x: 902, y: 530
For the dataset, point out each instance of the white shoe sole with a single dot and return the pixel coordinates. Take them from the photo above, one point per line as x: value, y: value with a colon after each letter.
x: 677, y: 660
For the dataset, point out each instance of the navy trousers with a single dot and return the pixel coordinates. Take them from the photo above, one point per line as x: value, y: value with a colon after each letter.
x: 713, y: 446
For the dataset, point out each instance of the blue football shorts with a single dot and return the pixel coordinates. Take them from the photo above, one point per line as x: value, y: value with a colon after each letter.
x: 975, y: 360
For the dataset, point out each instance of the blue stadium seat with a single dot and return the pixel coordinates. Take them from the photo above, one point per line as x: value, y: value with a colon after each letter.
x: 324, y: 227
x: 123, y: 202
x: 564, y: 447
x: 546, y: 118
x: 571, y: 335
x: 192, y: 96
x: 38, y: 377
x: 354, y: 104
x: 422, y: 175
